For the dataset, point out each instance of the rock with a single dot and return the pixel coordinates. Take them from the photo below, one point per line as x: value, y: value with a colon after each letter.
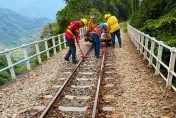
x: 108, y: 108
x: 48, y: 96
x: 39, y: 108
x: 160, y: 82
x: 154, y: 115
x: 166, y: 108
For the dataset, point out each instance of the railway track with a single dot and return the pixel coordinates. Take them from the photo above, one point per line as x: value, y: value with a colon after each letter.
x: 78, y: 96
x: 108, y: 90
x: 85, y: 92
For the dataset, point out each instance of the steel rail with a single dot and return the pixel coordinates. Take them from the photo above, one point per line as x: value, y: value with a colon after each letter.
x: 59, y: 93
x: 96, y: 103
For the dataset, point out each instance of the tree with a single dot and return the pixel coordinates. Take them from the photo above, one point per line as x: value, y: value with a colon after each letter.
x: 135, y: 5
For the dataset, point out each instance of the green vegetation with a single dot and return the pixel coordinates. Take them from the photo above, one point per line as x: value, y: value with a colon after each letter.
x: 158, y: 19
x: 125, y: 27
x: 4, y: 76
x: 76, y: 9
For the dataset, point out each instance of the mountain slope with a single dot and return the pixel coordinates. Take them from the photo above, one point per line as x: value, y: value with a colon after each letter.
x: 14, y: 26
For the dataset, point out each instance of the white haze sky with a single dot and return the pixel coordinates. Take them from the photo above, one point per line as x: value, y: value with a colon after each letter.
x: 34, y: 8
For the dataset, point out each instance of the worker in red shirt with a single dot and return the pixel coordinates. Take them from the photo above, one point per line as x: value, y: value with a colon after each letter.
x: 71, y: 33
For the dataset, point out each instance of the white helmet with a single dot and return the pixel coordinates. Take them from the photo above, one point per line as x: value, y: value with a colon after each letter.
x: 105, y: 24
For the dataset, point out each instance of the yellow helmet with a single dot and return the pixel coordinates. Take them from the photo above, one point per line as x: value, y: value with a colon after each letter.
x: 107, y: 16
x: 84, y: 21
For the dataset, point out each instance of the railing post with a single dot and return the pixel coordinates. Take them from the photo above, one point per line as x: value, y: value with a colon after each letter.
x: 54, y: 44
x: 135, y: 38
x: 142, y: 43
x: 59, y: 40
x: 9, y: 61
x: 128, y: 28
x: 160, y: 52
x: 130, y: 32
x: 132, y: 35
x: 171, y: 67
x: 138, y: 40
x: 46, y: 47
x: 83, y: 33
x: 151, y: 52
x: 146, y: 47
x: 64, y: 40
x: 26, y: 57
x: 38, y: 52
x: 80, y: 33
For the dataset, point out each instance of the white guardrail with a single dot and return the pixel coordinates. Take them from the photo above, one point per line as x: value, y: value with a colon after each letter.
x: 24, y: 47
x: 141, y: 41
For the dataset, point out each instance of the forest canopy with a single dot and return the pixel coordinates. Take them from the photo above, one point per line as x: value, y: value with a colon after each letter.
x: 158, y: 19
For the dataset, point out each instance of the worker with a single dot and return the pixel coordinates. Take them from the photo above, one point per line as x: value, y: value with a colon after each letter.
x: 95, y: 36
x: 71, y: 33
x: 90, y: 24
x: 114, y: 28
x: 104, y: 34
x: 103, y: 29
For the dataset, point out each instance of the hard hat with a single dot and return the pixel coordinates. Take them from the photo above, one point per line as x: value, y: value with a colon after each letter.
x: 107, y: 16
x: 84, y: 21
x: 105, y: 24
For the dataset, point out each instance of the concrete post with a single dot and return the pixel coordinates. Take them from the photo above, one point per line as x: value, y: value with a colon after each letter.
x: 54, y: 44
x: 46, y: 47
x: 142, y: 43
x: 9, y: 61
x: 38, y: 52
x: 171, y: 67
x: 26, y: 57
x: 151, y: 52
x: 160, y: 52
x: 59, y: 40
x: 65, y: 43
x: 146, y: 47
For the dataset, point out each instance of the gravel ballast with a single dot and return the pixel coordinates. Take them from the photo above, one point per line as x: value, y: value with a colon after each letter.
x: 22, y: 94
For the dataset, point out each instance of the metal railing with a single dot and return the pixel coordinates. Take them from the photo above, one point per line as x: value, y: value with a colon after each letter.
x: 61, y: 44
x: 152, y: 49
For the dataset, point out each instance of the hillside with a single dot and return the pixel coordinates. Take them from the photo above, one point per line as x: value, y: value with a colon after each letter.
x: 15, y: 27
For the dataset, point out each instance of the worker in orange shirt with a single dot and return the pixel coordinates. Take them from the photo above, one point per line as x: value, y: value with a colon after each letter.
x: 95, y: 35
x: 90, y: 24
x: 71, y: 33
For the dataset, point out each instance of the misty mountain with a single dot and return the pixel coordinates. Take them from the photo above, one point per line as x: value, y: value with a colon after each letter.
x: 15, y: 28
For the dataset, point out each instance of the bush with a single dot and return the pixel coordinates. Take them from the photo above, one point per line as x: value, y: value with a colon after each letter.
x: 4, y: 77
x: 125, y: 27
